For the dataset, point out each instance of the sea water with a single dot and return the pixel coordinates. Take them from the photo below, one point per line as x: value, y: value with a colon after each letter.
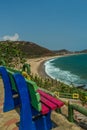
x: 68, y: 69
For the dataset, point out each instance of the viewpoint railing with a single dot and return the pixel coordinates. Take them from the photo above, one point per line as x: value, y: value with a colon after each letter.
x: 72, y: 107
x: 69, y: 95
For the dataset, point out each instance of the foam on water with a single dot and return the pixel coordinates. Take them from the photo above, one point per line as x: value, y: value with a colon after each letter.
x: 62, y: 75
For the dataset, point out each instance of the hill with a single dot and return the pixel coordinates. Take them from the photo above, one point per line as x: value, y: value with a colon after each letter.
x: 62, y: 52
x: 30, y: 49
x: 16, y: 52
x: 82, y: 51
x: 33, y: 50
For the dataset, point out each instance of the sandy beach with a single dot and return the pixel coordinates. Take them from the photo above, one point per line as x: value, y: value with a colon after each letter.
x: 37, y: 65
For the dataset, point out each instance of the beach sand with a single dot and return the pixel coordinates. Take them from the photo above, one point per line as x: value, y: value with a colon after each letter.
x: 37, y: 65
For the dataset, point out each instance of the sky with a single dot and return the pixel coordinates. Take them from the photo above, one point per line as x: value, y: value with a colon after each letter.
x: 53, y: 24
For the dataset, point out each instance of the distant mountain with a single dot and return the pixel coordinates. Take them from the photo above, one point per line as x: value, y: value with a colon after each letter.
x: 83, y: 51
x: 62, y: 52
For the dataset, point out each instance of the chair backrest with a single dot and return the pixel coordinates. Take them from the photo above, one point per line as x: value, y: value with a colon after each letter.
x: 32, y: 87
x: 25, y: 107
x: 8, y: 96
x: 34, y: 95
x: 9, y: 84
x: 10, y: 74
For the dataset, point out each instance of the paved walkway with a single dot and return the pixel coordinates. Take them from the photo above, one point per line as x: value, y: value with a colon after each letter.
x: 8, y: 120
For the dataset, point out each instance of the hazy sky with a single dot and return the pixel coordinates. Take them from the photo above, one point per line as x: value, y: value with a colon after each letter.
x: 54, y: 24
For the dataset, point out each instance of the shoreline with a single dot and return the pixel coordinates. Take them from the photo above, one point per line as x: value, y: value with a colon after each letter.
x: 41, y: 70
x: 37, y: 65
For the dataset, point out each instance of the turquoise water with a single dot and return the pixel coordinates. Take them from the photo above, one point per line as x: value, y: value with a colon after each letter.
x: 68, y: 69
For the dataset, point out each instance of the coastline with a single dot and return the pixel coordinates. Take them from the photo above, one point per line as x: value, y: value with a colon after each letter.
x: 37, y: 65
x: 41, y: 70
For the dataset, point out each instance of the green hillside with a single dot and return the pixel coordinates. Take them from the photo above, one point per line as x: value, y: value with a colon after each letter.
x: 16, y: 52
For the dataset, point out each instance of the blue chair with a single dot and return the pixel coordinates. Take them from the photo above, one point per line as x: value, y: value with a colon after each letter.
x: 28, y: 121
x: 9, y: 102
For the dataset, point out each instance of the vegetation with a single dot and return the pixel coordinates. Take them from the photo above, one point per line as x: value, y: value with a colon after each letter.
x: 57, y: 86
x: 10, y: 54
x: 30, y: 49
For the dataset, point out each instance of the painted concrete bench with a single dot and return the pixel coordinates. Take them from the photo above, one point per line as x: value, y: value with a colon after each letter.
x: 35, y: 105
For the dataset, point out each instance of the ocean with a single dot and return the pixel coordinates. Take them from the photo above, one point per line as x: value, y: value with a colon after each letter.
x: 68, y: 69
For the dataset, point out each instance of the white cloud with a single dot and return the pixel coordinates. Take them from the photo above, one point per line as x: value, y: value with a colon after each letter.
x: 15, y: 37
